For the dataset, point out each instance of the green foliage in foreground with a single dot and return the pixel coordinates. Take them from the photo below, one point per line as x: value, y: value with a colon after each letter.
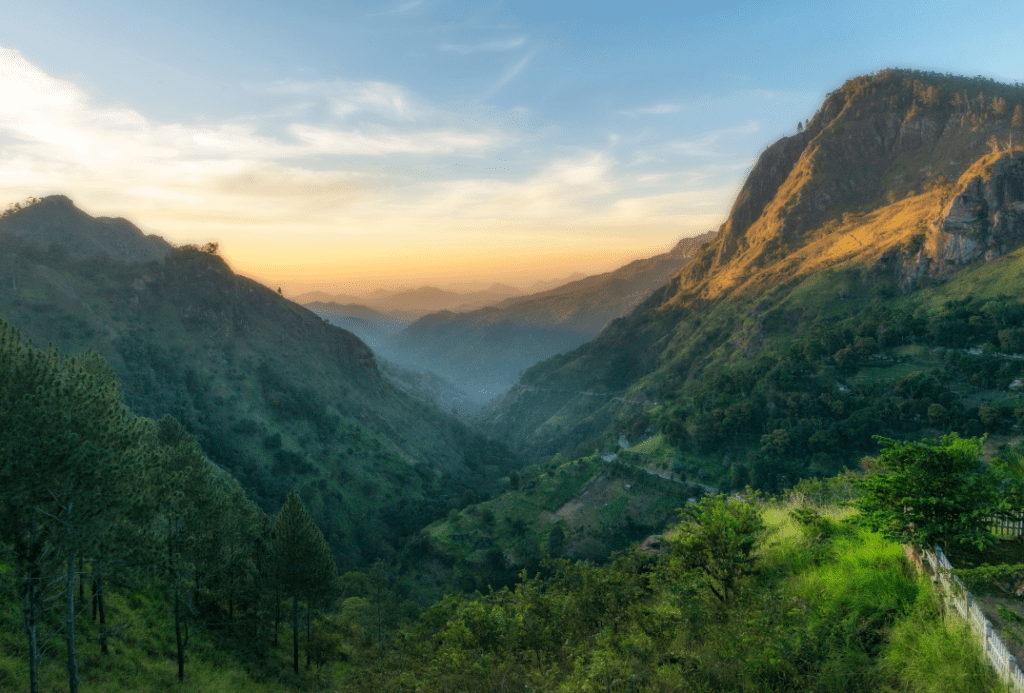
x: 91, y: 493
x: 821, y: 606
x: 931, y: 491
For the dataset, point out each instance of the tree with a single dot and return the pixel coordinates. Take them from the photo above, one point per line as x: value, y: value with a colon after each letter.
x: 184, y: 504
x: 717, y: 538
x: 930, y: 491
x: 68, y: 460
x: 301, y: 561
x: 556, y: 540
x: 1018, y: 118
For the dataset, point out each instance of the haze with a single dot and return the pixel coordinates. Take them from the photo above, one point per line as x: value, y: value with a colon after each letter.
x: 356, y: 146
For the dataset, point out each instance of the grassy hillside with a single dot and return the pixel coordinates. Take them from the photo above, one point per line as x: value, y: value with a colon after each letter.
x: 583, y: 509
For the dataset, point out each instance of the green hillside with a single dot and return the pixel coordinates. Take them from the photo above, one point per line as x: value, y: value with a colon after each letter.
x: 847, y: 295
x: 582, y: 510
x: 275, y: 396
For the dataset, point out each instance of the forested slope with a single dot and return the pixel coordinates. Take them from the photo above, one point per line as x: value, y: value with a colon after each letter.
x: 274, y: 395
x: 863, y: 261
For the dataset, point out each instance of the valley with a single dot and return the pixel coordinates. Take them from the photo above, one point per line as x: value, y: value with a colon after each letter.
x: 656, y: 478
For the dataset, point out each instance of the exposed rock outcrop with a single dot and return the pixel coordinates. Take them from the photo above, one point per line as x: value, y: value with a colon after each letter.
x: 984, y: 220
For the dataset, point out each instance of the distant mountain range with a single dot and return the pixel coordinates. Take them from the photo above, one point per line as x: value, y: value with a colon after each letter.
x: 413, y: 303
x: 483, y: 351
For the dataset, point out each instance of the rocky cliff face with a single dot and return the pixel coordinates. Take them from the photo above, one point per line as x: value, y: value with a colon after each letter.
x: 879, y: 138
x: 984, y: 220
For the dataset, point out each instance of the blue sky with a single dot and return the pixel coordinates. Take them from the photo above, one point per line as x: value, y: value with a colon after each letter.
x: 354, y: 145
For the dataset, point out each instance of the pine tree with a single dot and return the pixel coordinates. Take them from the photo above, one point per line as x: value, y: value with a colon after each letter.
x: 301, y: 562
x: 183, y: 501
x: 1018, y: 118
x: 66, y: 459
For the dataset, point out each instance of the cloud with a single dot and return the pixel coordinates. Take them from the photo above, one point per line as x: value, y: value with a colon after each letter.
x: 511, y: 74
x: 496, y: 46
x: 381, y: 98
x: 659, y: 109
x: 320, y: 140
x: 705, y: 144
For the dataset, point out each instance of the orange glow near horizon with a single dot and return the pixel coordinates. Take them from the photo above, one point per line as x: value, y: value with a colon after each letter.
x: 394, y: 261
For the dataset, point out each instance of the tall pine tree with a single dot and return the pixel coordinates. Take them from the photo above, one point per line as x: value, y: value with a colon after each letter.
x: 301, y: 561
x: 67, y: 457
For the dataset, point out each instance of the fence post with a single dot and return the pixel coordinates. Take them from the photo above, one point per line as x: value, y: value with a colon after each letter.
x: 986, y: 638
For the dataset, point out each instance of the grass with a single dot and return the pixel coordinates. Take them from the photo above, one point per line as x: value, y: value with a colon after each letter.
x: 142, y: 656
x: 932, y: 652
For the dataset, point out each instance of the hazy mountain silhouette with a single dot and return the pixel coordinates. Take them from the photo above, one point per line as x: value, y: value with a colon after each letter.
x: 483, y: 351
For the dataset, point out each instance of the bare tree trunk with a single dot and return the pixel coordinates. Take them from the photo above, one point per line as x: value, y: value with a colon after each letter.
x: 81, y: 580
x: 69, y: 627
x: 103, y: 615
x: 308, y: 634
x: 295, y: 631
x: 177, y: 635
x: 31, y: 609
x: 277, y: 614
x: 94, y: 599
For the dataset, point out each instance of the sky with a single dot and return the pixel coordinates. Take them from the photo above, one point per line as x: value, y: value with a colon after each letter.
x: 348, y: 147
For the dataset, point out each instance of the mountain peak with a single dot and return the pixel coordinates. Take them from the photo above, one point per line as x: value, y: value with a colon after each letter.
x: 55, y: 221
x: 879, y: 138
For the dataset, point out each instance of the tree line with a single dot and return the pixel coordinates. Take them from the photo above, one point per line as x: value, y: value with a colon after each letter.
x: 90, y: 493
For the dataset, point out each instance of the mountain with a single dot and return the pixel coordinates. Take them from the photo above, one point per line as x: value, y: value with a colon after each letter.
x: 483, y: 351
x: 413, y: 303
x: 373, y: 327
x: 276, y: 396
x: 866, y: 281
x: 540, y: 286
x: 324, y: 297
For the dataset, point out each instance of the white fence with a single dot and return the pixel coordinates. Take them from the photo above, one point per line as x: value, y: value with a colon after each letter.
x: 1006, y: 526
x: 957, y: 595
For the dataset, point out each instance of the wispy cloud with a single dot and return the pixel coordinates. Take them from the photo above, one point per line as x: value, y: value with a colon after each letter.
x: 705, y: 145
x: 496, y: 46
x: 402, y: 8
x: 511, y: 74
x: 659, y: 109
x: 380, y: 98
x: 381, y: 141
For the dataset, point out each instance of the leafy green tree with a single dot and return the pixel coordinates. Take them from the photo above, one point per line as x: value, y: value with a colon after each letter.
x: 301, y: 561
x: 930, y: 491
x: 717, y: 538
